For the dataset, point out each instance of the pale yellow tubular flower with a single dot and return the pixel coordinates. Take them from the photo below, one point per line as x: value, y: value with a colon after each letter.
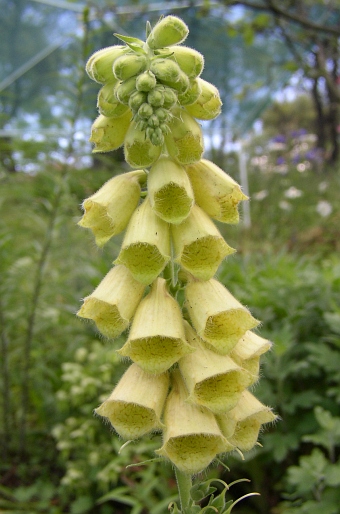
x: 146, y: 246
x: 184, y: 141
x: 215, y: 191
x: 108, y: 211
x: 170, y: 191
x: 135, y: 405
x: 107, y: 103
x: 242, y: 424
x: 109, y: 133
x: 247, y: 353
x: 208, y: 104
x: 192, y: 437
x: 138, y: 149
x: 199, y: 246
x: 217, y: 316
x: 113, y: 303
x: 156, y: 339
x: 213, y: 381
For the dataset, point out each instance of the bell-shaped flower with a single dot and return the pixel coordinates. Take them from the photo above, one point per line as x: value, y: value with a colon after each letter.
x: 216, y: 315
x: 139, y: 151
x: 242, y: 424
x: 146, y: 246
x: 199, y: 246
x: 99, y: 65
x: 170, y: 30
x: 247, y: 353
x: 135, y: 405
x: 156, y: 339
x: 184, y: 141
x: 109, y: 133
x: 108, y: 211
x: 114, y: 301
x: 208, y: 104
x: 192, y: 437
x: 108, y: 104
x: 215, y: 191
x: 213, y: 381
x: 169, y: 190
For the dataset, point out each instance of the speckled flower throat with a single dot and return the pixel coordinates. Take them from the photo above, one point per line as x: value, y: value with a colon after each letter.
x: 193, y: 349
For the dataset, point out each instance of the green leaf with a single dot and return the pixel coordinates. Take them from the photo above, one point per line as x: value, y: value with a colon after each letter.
x: 333, y: 321
x: 82, y: 505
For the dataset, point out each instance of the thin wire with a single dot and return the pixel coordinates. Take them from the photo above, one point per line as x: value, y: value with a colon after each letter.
x: 31, y: 63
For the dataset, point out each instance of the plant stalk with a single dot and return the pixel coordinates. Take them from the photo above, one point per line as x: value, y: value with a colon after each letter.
x: 184, y: 484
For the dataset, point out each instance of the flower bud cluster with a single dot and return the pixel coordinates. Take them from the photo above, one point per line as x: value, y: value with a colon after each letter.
x: 151, y: 93
x: 192, y: 361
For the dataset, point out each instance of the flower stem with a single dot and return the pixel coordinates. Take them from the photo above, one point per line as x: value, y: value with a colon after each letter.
x: 184, y: 484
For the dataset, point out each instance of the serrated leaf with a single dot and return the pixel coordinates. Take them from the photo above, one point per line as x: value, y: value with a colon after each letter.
x: 332, y: 475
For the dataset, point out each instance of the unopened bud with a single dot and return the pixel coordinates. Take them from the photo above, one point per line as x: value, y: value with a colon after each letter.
x: 136, y: 100
x: 165, y: 70
x: 169, y: 98
x: 199, y: 246
x: 181, y: 85
x: 146, y: 81
x: 124, y: 90
x: 154, y: 345
x: 169, y: 189
x: 189, y: 60
x: 192, y: 437
x: 191, y: 94
x: 218, y: 318
x: 145, y: 111
x: 168, y: 31
x: 184, y: 141
x: 156, y: 96
x: 107, y: 103
x: 109, y: 133
x: 157, y: 137
x: 108, y: 211
x: 113, y: 303
x: 135, y: 405
x: 128, y: 66
x: 146, y: 245
x: 213, y: 381
x: 99, y: 65
x: 242, y: 424
x: 139, y: 151
x: 208, y: 104
x: 215, y: 191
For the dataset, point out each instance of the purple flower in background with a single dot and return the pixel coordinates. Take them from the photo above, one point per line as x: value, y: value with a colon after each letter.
x: 280, y: 160
x: 280, y: 138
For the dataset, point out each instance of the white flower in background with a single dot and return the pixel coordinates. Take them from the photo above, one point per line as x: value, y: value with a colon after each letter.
x: 260, y: 195
x: 286, y: 206
x: 323, y: 186
x: 292, y: 192
x: 324, y: 208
